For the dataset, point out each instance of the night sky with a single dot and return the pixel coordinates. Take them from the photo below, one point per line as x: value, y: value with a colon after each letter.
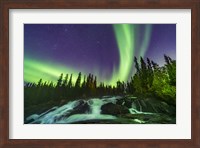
x: 105, y: 50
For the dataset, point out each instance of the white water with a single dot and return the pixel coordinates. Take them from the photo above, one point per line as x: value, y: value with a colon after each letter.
x: 133, y: 109
x: 96, y: 103
x: 95, y: 106
x: 85, y: 117
x: 62, y: 114
x: 52, y: 116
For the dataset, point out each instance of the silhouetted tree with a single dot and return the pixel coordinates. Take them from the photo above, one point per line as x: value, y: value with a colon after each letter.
x: 39, y: 83
x: 59, y: 82
x: 136, y: 65
x: 78, y: 81
x: 64, y: 84
x: 70, y: 82
x: 149, y: 79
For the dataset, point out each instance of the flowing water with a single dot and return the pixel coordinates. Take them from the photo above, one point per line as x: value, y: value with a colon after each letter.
x: 64, y: 114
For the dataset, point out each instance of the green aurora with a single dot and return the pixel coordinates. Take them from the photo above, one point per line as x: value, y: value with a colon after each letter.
x: 125, y: 35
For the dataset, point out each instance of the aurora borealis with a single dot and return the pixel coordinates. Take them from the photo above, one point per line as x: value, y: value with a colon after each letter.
x: 105, y: 50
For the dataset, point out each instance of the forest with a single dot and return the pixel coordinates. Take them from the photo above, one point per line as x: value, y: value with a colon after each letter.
x: 149, y: 80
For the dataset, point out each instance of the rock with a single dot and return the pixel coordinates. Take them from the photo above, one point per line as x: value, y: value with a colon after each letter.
x: 155, y: 118
x: 125, y: 102
x: 144, y: 106
x: 29, y: 121
x: 154, y: 106
x: 120, y: 101
x: 154, y: 110
x: 162, y: 119
x: 128, y: 102
x: 31, y: 118
x: 114, y: 109
x: 82, y: 108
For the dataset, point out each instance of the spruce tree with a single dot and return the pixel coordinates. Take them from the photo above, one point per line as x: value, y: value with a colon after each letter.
x: 136, y: 65
x: 59, y: 82
x: 39, y: 83
x: 78, y: 81
x: 64, y: 84
x: 70, y: 82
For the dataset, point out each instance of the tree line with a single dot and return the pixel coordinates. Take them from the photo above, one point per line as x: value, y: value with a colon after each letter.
x: 149, y: 80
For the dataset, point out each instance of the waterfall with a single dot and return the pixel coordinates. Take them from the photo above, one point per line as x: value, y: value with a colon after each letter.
x: 63, y: 114
x: 94, y: 114
x: 51, y: 116
x: 81, y: 110
x: 95, y: 105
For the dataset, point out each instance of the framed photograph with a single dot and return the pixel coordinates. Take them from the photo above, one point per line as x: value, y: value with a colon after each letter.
x: 107, y: 74
x: 116, y: 83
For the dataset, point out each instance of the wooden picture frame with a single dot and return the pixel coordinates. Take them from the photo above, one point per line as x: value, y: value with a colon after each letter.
x: 5, y: 5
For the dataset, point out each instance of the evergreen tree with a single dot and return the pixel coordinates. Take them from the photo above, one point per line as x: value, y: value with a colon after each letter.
x: 154, y: 65
x: 84, y: 82
x: 59, y: 82
x: 150, y: 74
x: 64, y: 84
x: 136, y: 65
x: 149, y: 79
x: 95, y: 82
x: 39, y: 83
x: 171, y: 69
x: 143, y: 75
x: 78, y: 81
x: 70, y: 82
